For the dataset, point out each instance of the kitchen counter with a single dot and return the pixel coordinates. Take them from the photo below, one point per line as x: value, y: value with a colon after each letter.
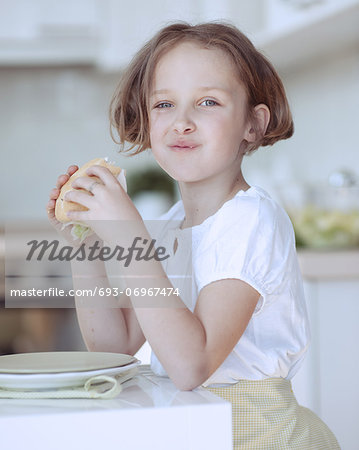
x: 150, y: 413
x: 329, y: 265
x: 323, y: 383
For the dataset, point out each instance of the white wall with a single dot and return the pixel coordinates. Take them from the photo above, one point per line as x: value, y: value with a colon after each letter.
x: 50, y: 118
x: 324, y: 97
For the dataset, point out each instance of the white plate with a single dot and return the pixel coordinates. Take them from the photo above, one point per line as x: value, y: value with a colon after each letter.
x: 31, y: 371
x: 55, y: 362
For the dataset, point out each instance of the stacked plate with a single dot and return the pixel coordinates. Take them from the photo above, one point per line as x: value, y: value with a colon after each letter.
x: 54, y: 370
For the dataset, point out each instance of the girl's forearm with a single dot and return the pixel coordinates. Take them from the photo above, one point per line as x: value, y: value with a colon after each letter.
x: 175, y: 334
x: 101, y: 320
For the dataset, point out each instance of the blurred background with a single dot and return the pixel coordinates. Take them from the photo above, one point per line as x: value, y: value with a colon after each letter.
x: 59, y: 65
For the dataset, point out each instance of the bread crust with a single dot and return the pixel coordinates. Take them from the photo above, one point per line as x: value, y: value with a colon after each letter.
x: 63, y: 206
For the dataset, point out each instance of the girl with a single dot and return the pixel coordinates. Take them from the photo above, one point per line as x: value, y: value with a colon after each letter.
x: 201, y: 97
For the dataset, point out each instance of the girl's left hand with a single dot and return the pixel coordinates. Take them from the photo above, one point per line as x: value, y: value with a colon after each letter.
x: 105, y: 199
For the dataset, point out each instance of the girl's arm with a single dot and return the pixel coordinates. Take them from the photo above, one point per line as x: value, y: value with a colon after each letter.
x: 104, y: 325
x: 103, y: 328
x: 191, y: 346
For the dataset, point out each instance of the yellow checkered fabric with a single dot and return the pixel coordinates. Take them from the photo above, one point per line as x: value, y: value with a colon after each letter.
x: 266, y: 415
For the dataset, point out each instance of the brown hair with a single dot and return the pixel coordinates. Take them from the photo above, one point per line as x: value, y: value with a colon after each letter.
x: 129, y: 105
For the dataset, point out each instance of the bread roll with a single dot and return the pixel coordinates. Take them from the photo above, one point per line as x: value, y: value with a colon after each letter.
x: 63, y: 206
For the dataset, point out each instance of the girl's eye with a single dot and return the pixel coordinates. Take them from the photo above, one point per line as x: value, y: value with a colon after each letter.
x: 210, y: 102
x: 163, y: 105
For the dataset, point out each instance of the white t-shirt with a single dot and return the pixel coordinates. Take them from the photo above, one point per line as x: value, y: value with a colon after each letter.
x: 249, y: 238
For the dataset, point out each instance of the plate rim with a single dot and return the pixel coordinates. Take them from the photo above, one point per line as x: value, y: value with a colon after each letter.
x: 57, y: 369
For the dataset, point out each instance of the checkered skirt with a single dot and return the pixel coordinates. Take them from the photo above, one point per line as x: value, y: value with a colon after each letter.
x: 266, y: 415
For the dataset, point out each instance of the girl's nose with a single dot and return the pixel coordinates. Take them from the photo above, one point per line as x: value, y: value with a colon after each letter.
x: 183, y: 124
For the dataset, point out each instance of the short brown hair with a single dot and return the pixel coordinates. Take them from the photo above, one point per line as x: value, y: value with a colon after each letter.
x: 129, y: 108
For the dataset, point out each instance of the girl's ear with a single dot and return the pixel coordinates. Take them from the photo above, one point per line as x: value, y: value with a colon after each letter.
x: 259, y: 123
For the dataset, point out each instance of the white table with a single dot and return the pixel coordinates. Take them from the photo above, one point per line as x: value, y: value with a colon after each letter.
x: 150, y: 413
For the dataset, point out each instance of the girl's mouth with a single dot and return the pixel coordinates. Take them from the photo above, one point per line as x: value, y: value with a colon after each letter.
x: 184, y: 147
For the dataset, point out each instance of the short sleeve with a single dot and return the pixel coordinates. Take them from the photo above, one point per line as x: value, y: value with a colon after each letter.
x: 251, y: 239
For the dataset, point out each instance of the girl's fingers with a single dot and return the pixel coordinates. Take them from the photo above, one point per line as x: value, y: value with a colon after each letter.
x: 72, y: 169
x: 82, y: 198
x: 51, y: 204
x: 50, y: 208
x: 103, y: 174
x: 54, y: 193
x: 62, y: 179
x: 88, y: 183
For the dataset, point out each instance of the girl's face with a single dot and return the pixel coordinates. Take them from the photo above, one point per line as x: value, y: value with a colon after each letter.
x: 197, y: 114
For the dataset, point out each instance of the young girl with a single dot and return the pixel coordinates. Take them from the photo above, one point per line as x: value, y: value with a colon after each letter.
x: 201, y: 97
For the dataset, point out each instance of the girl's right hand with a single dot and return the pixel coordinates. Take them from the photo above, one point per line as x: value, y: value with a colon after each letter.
x: 54, y: 194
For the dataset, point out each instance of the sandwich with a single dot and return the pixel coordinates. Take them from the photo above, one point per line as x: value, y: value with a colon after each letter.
x: 80, y: 230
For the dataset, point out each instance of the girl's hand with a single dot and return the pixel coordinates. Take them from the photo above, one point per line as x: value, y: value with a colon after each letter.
x: 54, y: 194
x: 105, y: 199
